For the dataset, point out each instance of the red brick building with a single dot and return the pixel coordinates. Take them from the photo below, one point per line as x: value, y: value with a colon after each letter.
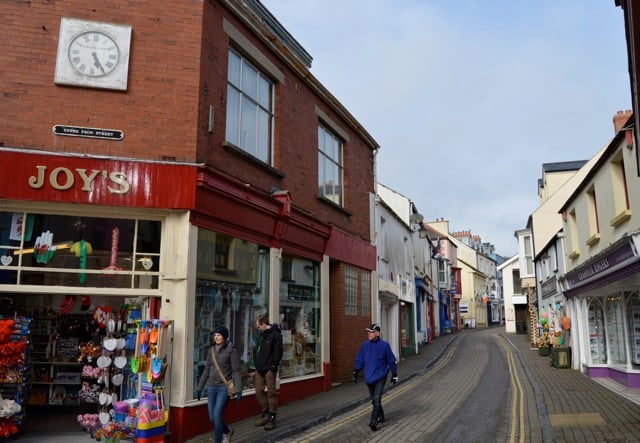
x: 213, y: 176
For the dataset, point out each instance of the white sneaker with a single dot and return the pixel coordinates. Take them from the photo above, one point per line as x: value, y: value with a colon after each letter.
x: 226, y: 438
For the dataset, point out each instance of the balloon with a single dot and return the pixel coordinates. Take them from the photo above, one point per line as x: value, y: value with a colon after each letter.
x: 566, y: 323
x: 544, y: 315
x: 543, y: 320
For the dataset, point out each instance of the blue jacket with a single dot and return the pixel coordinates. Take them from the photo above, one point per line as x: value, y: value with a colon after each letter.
x: 377, y: 359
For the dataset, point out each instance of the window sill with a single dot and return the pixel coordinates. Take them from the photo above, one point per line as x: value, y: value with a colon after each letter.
x: 595, y: 238
x: 623, y: 216
x: 244, y: 154
x: 334, y: 205
x: 574, y: 254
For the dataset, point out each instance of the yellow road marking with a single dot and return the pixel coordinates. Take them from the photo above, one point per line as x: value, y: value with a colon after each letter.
x: 362, y: 410
x: 517, y: 403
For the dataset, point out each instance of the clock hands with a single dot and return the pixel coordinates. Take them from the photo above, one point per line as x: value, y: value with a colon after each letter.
x: 97, y: 63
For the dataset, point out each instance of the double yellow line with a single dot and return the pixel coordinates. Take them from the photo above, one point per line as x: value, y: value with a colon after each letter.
x: 517, y: 429
x: 517, y: 400
x: 391, y: 394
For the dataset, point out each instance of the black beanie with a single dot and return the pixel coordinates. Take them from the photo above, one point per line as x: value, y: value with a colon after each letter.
x: 222, y: 330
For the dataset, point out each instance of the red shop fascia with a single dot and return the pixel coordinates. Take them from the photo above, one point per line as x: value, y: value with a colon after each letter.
x: 216, y: 200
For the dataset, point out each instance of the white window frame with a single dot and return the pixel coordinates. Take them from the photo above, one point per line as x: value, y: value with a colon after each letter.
x: 250, y: 108
x: 330, y: 165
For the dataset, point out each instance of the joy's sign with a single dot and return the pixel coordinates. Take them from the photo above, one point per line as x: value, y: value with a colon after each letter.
x: 62, y: 179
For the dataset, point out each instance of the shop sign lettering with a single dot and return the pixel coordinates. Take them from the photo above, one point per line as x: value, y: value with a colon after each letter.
x: 619, y: 255
x: 63, y: 179
x: 300, y: 293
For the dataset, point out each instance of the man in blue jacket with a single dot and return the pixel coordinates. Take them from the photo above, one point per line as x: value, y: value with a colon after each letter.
x: 377, y: 359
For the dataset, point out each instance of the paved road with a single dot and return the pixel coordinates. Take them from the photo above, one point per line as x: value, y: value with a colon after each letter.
x: 475, y: 393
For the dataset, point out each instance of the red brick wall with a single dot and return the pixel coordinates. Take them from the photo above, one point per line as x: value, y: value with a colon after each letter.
x: 158, y: 111
x: 296, y: 135
x: 174, y: 76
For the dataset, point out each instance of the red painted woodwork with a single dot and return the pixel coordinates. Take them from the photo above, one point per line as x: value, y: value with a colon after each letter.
x: 75, y: 179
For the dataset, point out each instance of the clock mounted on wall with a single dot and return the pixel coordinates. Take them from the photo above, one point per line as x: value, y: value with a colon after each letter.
x: 93, y: 54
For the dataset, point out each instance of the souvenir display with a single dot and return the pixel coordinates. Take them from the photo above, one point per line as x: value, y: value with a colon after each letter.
x: 14, y: 336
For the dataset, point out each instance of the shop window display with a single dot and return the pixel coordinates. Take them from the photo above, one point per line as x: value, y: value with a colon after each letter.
x: 597, y: 343
x: 232, y: 281
x: 69, y: 250
x: 300, y: 317
x: 615, y: 330
x: 633, y: 317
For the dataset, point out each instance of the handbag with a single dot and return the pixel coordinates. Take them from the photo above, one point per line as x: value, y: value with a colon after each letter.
x: 231, y: 386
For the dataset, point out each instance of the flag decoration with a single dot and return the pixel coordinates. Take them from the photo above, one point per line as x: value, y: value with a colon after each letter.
x: 436, y: 252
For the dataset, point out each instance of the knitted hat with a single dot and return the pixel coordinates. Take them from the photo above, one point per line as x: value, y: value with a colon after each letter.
x: 222, y: 330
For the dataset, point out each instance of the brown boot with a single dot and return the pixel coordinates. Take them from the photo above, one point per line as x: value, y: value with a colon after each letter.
x: 263, y: 420
x: 271, y: 423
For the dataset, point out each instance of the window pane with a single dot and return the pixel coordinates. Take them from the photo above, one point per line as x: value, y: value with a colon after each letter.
x: 264, y: 93
x: 264, y: 136
x: 350, y: 290
x: 248, y: 140
x: 250, y: 81
x: 233, y: 116
x: 234, y: 69
x: 320, y: 139
x: 300, y: 317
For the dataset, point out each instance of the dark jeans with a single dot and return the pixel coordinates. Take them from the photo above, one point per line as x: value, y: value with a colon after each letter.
x: 375, y: 391
x: 217, y: 400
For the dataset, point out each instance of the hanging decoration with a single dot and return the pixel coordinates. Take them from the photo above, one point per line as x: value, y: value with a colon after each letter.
x: 81, y: 249
x: 115, y: 238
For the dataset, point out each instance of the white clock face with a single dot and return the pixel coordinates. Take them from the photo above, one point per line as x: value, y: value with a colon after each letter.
x: 94, y: 54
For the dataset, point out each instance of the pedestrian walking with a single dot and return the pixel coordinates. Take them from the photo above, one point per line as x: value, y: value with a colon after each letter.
x: 377, y: 359
x: 267, y: 356
x: 223, y: 364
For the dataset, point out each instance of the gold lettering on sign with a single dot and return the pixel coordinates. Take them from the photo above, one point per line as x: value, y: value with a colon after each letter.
x: 62, y: 179
x: 87, y: 179
x: 53, y: 179
x: 37, y: 181
x: 121, y: 180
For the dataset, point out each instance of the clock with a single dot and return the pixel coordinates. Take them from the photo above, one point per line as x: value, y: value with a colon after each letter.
x: 93, y: 54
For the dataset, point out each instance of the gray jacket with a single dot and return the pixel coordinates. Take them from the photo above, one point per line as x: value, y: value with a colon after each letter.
x: 229, y: 363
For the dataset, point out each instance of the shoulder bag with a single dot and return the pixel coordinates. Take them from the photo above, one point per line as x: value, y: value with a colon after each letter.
x: 231, y: 386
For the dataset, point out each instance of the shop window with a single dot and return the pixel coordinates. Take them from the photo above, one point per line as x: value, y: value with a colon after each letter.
x: 633, y: 318
x: 597, y: 344
x: 615, y: 330
x: 233, y: 300
x: 70, y: 250
x: 300, y: 319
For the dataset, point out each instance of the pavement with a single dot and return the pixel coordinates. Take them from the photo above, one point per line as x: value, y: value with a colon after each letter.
x: 571, y: 406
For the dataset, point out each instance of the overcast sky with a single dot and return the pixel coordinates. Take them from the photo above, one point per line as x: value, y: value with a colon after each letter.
x: 469, y: 98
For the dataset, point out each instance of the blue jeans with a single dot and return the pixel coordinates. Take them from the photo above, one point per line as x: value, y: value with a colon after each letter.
x: 217, y: 400
x: 375, y: 391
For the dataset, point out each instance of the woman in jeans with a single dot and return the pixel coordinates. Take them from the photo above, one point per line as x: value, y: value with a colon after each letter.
x: 229, y: 362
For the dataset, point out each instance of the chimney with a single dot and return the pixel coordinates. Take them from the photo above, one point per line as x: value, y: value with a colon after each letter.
x: 620, y: 119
